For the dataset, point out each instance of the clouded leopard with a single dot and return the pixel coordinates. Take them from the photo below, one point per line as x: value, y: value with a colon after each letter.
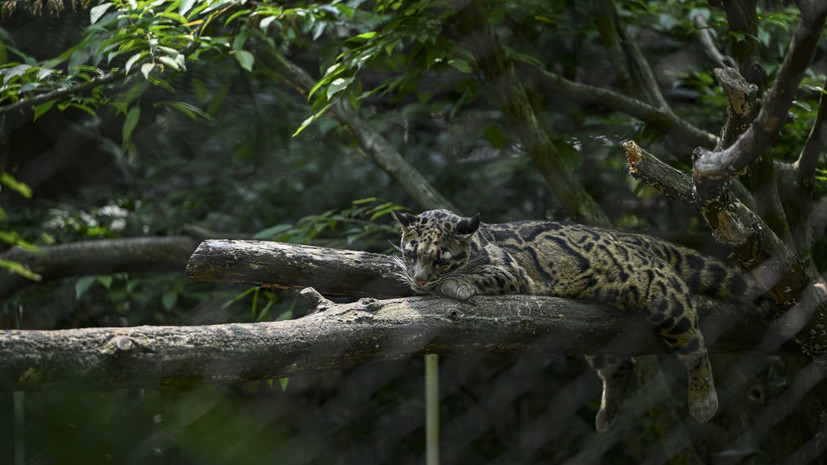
x: 457, y: 257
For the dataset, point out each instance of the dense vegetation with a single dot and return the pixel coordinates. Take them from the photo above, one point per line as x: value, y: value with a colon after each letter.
x: 308, y: 123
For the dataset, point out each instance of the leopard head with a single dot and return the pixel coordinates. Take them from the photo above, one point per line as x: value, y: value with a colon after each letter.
x: 434, y: 244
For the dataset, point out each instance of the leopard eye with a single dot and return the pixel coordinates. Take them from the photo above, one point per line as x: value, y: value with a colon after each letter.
x: 409, y: 255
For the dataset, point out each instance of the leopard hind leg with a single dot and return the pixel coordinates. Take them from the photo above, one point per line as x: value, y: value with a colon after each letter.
x: 615, y: 372
x: 676, y: 318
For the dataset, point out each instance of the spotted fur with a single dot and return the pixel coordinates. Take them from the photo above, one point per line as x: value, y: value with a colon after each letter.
x: 456, y: 257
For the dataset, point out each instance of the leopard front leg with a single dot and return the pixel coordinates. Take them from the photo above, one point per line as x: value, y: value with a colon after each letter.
x: 486, y: 280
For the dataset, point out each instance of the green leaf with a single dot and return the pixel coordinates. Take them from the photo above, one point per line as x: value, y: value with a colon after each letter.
x: 39, y: 110
x: 20, y: 269
x: 245, y: 59
x: 169, y: 62
x: 495, y: 136
x: 168, y: 299
x: 283, y: 383
x: 273, y: 231
x: 8, y: 180
x: 312, y: 118
x: 185, y: 7
x: 265, y: 23
x: 147, y: 68
x: 96, y: 12
x: 338, y: 85
x: 106, y: 280
x: 192, y: 111
x: 131, y: 61
x: 366, y: 35
x: 460, y: 65
x: 130, y: 123
x: 83, y: 284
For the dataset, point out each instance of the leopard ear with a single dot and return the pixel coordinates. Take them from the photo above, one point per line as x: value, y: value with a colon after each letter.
x: 406, y: 220
x: 468, y: 226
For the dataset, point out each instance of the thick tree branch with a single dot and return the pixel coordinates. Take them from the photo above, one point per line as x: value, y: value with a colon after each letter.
x: 474, y: 31
x: 743, y: 104
x: 720, y: 165
x: 379, y: 149
x: 335, y: 336
x: 742, y: 19
x: 275, y: 264
x: 757, y: 248
x: 669, y: 181
x: 798, y: 182
x: 158, y: 254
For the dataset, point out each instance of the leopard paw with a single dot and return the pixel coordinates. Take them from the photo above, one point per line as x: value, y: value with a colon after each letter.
x: 703, y: 400
x: 456, y: 290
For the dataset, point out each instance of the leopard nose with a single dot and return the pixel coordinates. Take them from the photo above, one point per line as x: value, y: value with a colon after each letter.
x: 419, y: 282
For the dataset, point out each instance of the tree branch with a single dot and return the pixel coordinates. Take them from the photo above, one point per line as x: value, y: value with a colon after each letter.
x: 723, y: 61
x: 474, y: 31
x: 645, y: 167
x: 757, y: 248
x: 335, y: 336
x: 97, y: 81
x: 159, y: 254
x: 798, y: 182
x: 64, y: 91
x: 280, y: 265
x: 733, y: 160
x: 661, y: 119
x: 742, y: 19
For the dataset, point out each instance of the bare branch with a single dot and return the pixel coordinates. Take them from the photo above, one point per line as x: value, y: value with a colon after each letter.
x: 724, y: 61
x: 669, y: 181
x: 742, y: 19
x: 743, y: 105
x: 815, y: 145
x: 661, y: 119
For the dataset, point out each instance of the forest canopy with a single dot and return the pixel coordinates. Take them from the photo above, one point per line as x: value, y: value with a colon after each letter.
x: 133, y: 130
